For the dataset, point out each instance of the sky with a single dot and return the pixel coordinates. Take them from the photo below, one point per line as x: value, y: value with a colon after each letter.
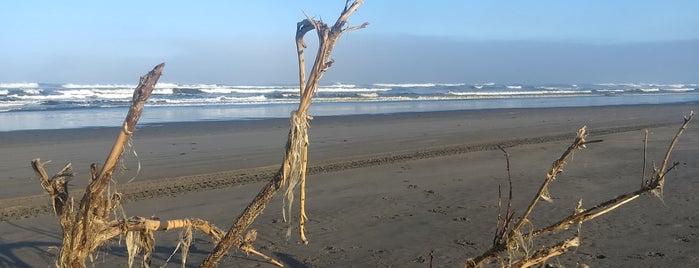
x: 252, y: 42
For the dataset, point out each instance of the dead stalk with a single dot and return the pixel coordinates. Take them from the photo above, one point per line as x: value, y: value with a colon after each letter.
x: 654, y: 185
x: 297, y: 143
x: 84, y: 231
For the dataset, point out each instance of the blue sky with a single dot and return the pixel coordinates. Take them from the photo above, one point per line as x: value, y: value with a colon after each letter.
x: 251, y: 42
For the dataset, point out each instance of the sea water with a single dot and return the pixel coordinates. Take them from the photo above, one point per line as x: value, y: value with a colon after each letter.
x: 25, y: 106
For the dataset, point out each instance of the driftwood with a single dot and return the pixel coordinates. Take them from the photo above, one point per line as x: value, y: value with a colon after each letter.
x: 293, y: 169
x: 512, y: 240
x: 96, y: 223
x: 89, y: 227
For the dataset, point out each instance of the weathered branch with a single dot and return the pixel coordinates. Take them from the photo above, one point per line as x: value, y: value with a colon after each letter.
x: 81, y: 234
x: 557, y: 168
x: 297, y: 141
x: 589, y: 214
x: 501, y: 230
x: 609, y: 205
x: 660, y: 177
x: 85, y: 230
x: 57, y: 188
x: 141, y: 94
x: 511, y: 237
x: 547, y: 253
x: 580, y: 215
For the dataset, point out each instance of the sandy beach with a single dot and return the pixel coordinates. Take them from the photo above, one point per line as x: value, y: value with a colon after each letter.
x: 394, y: 190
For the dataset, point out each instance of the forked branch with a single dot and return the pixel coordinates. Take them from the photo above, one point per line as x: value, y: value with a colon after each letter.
x: 85, y: 230
x: 580, y: 215
x: 292, y: 170
x: 655, y: 184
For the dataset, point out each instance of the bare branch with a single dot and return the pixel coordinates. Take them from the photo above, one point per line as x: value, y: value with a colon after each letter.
x: 645, y: 158
x: 85, y: 231
x: 580, y: 215
x: 547, y: 253
x: 557, y: 168
x: 295, y: 156
x: 660, y: 179
x: 140, y: 95
x: 609, y: 205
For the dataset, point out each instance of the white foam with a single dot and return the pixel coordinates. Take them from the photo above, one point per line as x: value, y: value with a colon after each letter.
x: 42, y: 97
x: 677, y: 85
x: 4, y: 91
x: 262, y: 87
x: 339, y: 85
x: 553, y: 88
x: 481, y: 85
x: 214, y: 100
x: 406, y: 85
x: 165, y: 85
x: 344, y: 89
x: 519, y: 93
x: 9, y: 106
x: 368, y: 95
x: 31, y: 91
x: 678, y: 89
x: 346, y: 99
x: 256, y: 90
x: 116, y: 93
x: 76, y: 86
x: 19, y: 85
x: 646, y: 89
x: 514, y: 87
x: 258, y: 98
x: 162, y: 91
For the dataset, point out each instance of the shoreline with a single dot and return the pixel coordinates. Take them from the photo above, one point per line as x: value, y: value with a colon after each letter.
x: 383, y: 189
x: 156, y: 115
x: 246, y: 122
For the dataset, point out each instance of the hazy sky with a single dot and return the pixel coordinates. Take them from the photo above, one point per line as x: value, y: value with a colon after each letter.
x: 251, y: 42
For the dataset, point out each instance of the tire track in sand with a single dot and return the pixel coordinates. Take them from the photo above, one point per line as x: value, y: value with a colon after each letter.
x: 36, y: 205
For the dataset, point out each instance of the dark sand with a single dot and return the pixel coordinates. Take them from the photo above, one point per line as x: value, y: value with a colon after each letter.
x: 384, y: 190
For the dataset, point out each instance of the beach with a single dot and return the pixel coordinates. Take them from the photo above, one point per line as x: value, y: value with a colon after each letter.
x: 384, y: 190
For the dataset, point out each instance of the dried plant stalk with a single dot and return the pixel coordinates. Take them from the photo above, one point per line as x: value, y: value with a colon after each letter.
x: 87, y: 229
x: 297, y: 141
x: 556, y: 169
x: 547, y: 253
x: 580, y: 215
x: 83, y: 230
x: 655, y: 184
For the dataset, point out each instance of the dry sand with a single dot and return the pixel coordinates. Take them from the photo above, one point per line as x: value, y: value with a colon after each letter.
x: 384, y: 190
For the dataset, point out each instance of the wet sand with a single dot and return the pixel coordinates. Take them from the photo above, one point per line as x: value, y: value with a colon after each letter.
x: 383, y: 190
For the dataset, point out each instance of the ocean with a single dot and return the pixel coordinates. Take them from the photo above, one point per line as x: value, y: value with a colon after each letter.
x: 26, y: 106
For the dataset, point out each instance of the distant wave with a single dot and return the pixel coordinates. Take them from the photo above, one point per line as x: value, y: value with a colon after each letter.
x: 641, y: 85
x: 19, y: 85
x: 368, y: 95
x: 20, y: 92
x: 341, y: 89
x: 644, y: 89
x: 47, y: 96
x: 406, y: 85
x: 678, y: 89
x: 71, y: 86
x: 519, y: 93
